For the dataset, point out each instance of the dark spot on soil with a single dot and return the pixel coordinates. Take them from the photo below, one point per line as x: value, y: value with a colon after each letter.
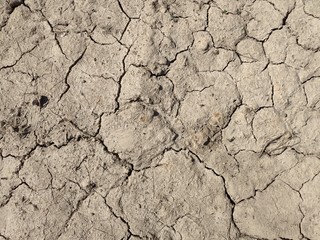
x: 155, y: 5
x: 155, y: 113
x: 25, y: 131
x: 105, y: 166
x: 2, y: 123
x: 92, y: 186
x: 43, y: 101
x: 206, y: 142
x: 19, y: 112
x: 175, y: 137
x: 35, y: 102
x: 33, y: 31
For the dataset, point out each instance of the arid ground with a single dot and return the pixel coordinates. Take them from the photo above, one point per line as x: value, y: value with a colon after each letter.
x: 160, y: 119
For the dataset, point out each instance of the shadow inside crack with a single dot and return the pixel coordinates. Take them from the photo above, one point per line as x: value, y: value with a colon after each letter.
x: 12, y: 4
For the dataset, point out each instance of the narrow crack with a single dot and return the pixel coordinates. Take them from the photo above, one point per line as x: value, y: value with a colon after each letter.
x: 308, y: 13
x: 68, y: 73
x: 11, y: 192
x: 4, y: 237
x: 123, y: 221
x: 75, y: 210
x: 117, y: 155
x: 54, y: 33
x: 120, y: 80
x: 21, y: 56
x: 300, y: 210
x: 232, y: 202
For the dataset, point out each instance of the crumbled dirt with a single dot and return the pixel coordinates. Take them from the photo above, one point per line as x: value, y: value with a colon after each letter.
x: 160, y: 119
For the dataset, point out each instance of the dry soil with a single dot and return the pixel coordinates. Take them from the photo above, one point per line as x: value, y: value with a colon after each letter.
x: 160, y: 119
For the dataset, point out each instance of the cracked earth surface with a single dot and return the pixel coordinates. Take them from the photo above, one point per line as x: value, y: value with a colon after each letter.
x: 160, y: 119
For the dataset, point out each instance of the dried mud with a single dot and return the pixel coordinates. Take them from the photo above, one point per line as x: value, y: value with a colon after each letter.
x: 160, y: 119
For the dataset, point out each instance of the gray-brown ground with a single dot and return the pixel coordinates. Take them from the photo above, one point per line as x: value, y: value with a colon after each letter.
x: 160, y: 119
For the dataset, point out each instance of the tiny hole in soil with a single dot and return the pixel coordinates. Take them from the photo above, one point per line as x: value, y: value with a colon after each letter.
x: 155, y: 113
x: 43, y: 101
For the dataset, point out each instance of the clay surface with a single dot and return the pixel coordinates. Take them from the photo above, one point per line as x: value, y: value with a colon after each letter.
x: 160, y: 119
